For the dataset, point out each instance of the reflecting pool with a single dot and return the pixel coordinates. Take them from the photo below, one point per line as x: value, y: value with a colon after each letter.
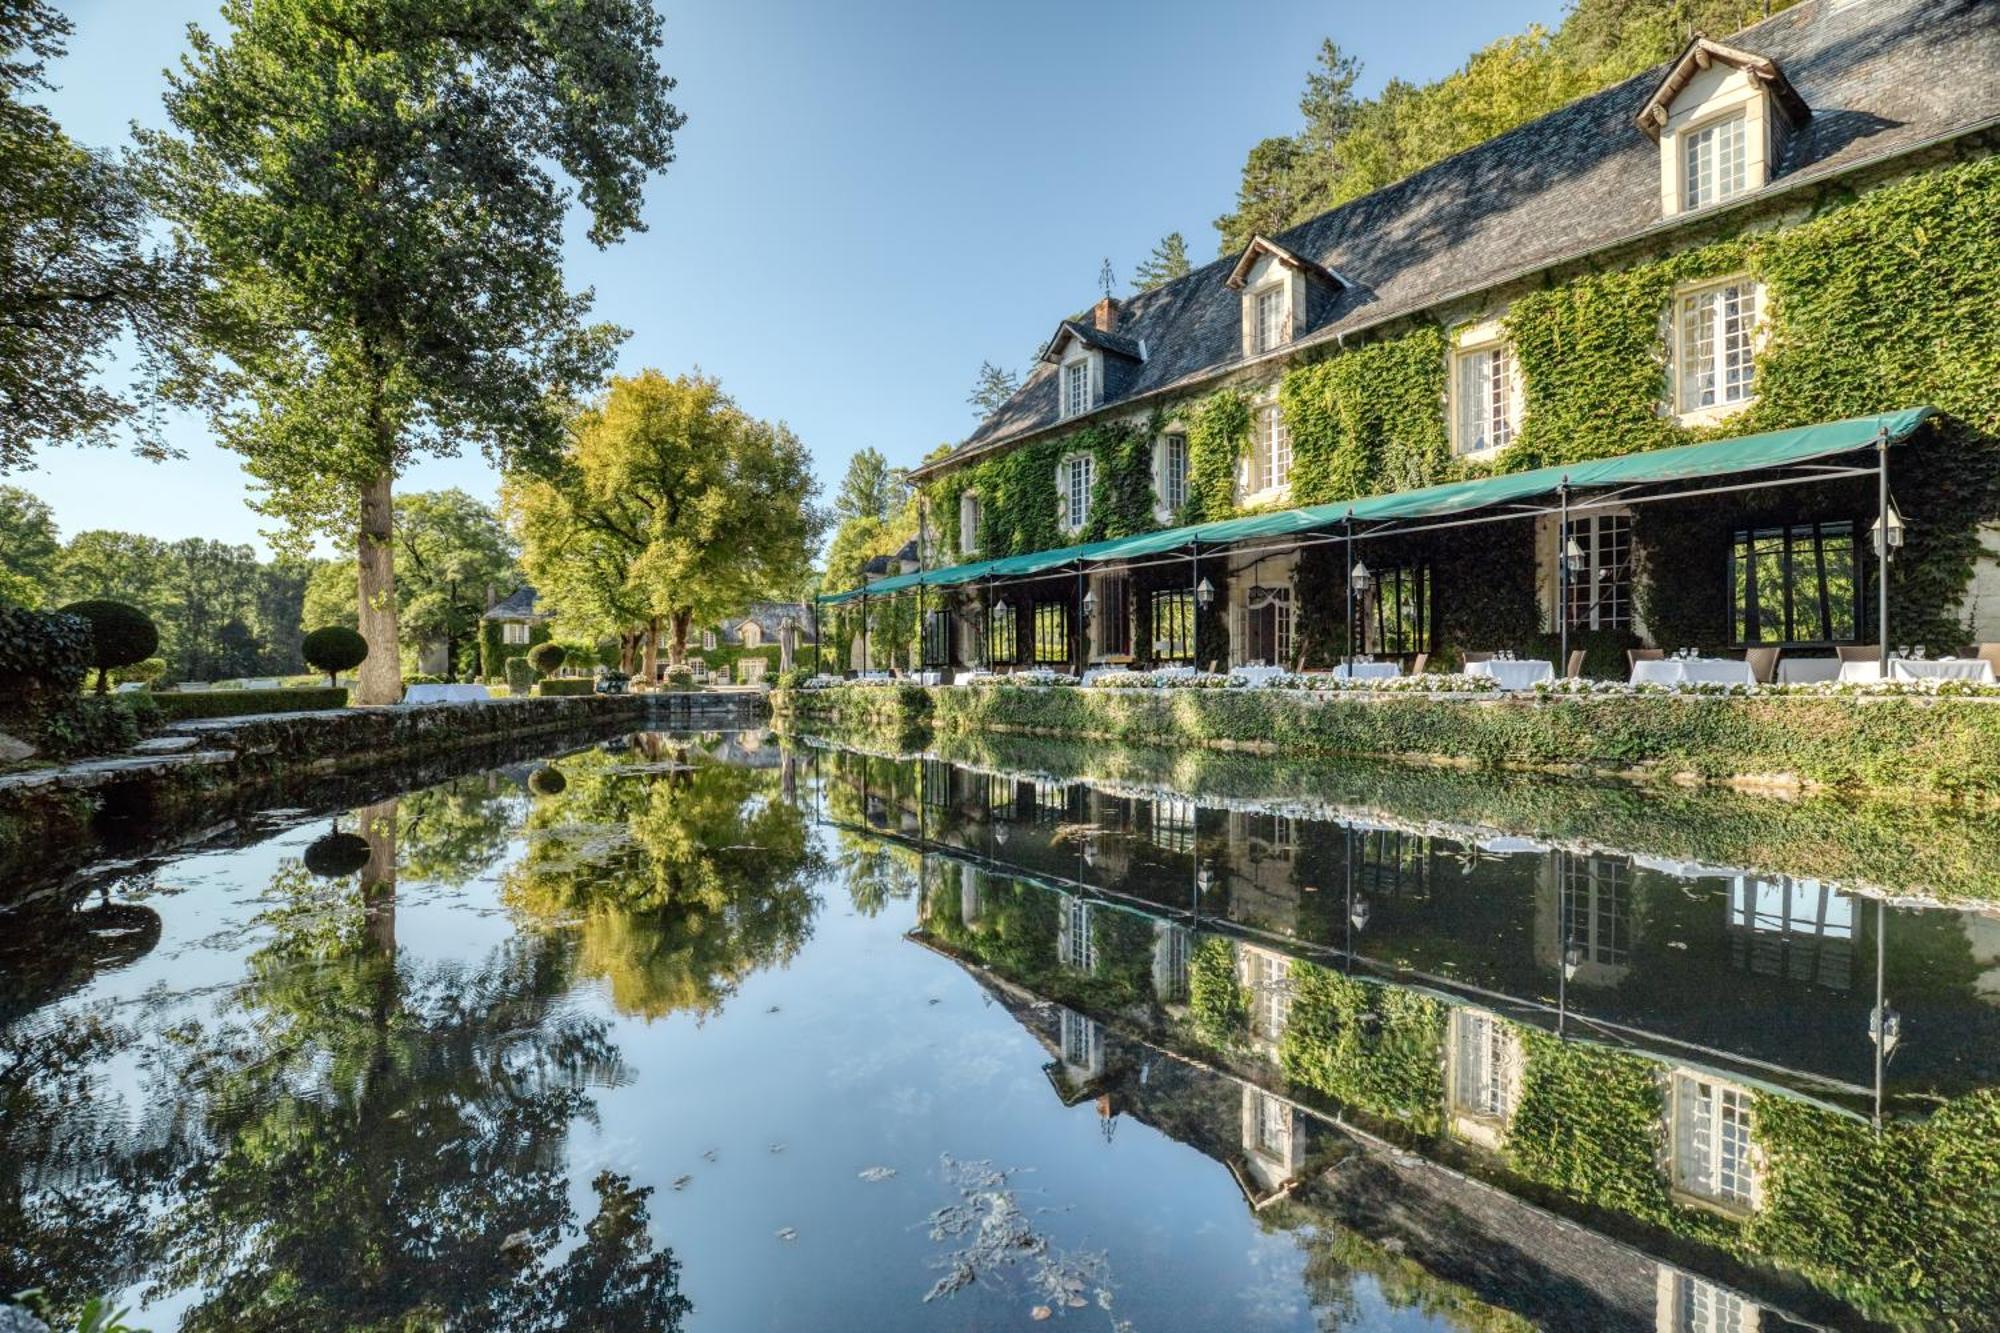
x: 722, y: 1031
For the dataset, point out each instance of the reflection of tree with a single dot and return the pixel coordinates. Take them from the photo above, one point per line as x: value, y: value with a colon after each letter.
x: 876, y: 872
x: 452, y: 833
x: 684, y: 878
x: 383, y: 1141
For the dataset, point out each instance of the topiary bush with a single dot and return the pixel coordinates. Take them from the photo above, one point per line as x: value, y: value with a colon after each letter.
x: 520, y: 676
x: 41, y: 650
x: 566, y: 687
x: 334, y: 649
x: 121, y: 635
x: 547, y: 658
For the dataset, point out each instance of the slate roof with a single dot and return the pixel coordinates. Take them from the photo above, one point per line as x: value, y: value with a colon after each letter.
x: 516, y: 605
x: 1882, y: 77
x: 1092, y: 336
x: 770, y: 618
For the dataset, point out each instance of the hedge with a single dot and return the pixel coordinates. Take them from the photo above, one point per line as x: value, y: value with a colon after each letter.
x: 175, y: 707
x: 571, y: 686
x: 1891, y: 743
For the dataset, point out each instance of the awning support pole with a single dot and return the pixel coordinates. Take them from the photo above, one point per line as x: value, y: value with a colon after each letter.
x: 1347, y: 577
x: 1194, y: 622
x: 1882, y: 555
x: 1080, y: 648
x: 865, y: 661
x: 1562, y: 579
x: 817, y: 663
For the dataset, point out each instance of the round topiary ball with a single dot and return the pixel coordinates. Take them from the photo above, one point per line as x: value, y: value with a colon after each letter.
x: 547, y: 781
x: 121, y: 635
x: 547, y: 658
x: 336, y: 855
x: 334, y: 649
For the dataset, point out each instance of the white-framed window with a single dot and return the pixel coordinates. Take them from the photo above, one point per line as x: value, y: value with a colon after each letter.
x: 708, y: 640
x: 513, y: 633
x: 1173, y: 472
x: 1715, y: 161
x: 1272, y: 461
x: 1488, y: 403
x: 1271, y: 1127
x: 1076, y: 387
x: 1596, y: 902
x: 1173, y: 824
x: 1600, y: 591
x: 1715, y: 363
x: 1082, y: 1042
x: 968, y: 523
x: 753, y: 634
x: 1714, y: 1142
x: 1077, y: 945
x: 1076, y: 476
x: 1268, y: 309
x: 1697, y: 1306
x: 1482, y: 1073
x: 1268, y: 978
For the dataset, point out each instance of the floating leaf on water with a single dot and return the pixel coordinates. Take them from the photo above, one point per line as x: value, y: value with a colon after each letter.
x: 777, y: 1147
x: 788, y: 1233
x: 874, y: 1174
x: 682, y: 1182
x: 1039, y: 1313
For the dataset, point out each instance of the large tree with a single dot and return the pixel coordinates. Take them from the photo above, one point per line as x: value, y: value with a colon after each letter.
x: 710, y: 506
x: 450, y: 548
x: 1168, y: 261
x: 79, y: 269
x: 578, y: 548
x: 373, y: 183
x: 106, y: 564
x: 869, y: 489
x: 28, y: 547
x: 989, y: 394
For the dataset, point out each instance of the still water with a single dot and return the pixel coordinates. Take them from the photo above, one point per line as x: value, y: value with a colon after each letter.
x: 719, y: 1032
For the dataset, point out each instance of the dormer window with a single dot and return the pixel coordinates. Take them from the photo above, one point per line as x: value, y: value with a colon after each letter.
x: 1076, y: 387
x: 1270, y: 318
x: 1713, y: 166
x: 1075, y: 477
x: 1722, y: 117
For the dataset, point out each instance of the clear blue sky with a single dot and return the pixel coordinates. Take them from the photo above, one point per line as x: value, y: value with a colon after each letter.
x: 871, y: 197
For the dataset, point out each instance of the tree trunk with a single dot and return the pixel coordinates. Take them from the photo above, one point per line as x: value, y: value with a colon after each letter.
x: 378, y: 877
x: 381, y: 678
x: 677, y: 654
x: 652, y: 650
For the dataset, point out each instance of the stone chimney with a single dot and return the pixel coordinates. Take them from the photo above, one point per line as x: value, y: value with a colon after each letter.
x: 1104, y: 315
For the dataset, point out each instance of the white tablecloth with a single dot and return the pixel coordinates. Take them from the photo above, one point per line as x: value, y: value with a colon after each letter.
x: 1944, y: 668
x: 1516, y: 675
x: 1257, y: 675
x: 1367, y: 671
x: 463, y: 692
x: 1807, y: 670
x: 1693, y: 671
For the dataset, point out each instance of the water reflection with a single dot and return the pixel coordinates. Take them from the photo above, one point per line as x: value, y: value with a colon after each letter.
x: 838, y: 1030
x: 1788, y: 1073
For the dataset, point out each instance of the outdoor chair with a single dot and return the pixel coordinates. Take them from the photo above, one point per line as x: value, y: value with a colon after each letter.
x: 1763, y: 664
x: 1478, y: 657
x: 1418, y: 663
x: 1634, y: 656
x: 1859, y: 652
x: 1574, y: 667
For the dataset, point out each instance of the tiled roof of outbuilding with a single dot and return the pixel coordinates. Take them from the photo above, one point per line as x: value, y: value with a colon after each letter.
x: 1882, y: 78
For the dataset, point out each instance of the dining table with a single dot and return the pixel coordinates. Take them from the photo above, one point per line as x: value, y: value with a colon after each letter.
x: 1693, y: 671
x: 1514, y: 673
x: 1367, y: 671
x: 1976, y: 669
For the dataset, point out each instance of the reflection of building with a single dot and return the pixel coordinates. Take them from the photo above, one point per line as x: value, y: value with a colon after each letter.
x: 1075, y: 944
x: 1079, y: 1063
x: 1688, y: 1304
x: 1712, y: 1142
x: 1796, y: 928
x: 1274, y: 1140
x: 1482, y: 1076
x: 1170, y: 962
x: 1266, y: 977
x: 1584, y: 906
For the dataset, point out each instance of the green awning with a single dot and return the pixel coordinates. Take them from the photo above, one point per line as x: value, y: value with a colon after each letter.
x: 1690, y: 462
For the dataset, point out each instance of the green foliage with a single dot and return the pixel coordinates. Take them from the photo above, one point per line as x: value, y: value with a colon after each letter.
x: 1367, y: 419
x: 576, y: 686
x: 547, y: 658
x: 84, y: 270
x: 334, y: 649
x: 28, y: 546
x: 1218, y: 1007
x: 520, y: 676
x: 41, y: 651
x: 178, y: 707
x: 1168, y: 261
x: 1218, y: 431
x: 121, y: 635
x: 69, y: 727
x: 1590, y: 1124
x: 1370, y: 1046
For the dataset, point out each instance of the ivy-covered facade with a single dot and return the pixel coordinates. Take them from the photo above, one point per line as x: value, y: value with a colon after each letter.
x: 1795, y: 227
